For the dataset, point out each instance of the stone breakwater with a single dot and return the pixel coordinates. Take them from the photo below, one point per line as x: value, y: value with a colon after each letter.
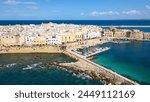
x: 95, y: 71
x: 82, y: 65
x: 129, y: 26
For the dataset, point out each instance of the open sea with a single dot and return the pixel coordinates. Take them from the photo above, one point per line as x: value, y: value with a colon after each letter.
x: 131, y: 60
x: 38, y: 69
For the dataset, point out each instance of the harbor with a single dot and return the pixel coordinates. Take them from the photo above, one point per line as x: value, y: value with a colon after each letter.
x: 83, y: 65
x: 85, y: 52
x: 121, y: 41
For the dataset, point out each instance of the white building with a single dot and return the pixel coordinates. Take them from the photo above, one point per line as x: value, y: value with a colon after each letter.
x: 54, y: 40
x: 91, y: 35
x: 107, y: 33
x: 29, y: 39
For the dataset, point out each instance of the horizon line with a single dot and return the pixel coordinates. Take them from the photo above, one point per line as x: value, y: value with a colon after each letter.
x: 68, y: 19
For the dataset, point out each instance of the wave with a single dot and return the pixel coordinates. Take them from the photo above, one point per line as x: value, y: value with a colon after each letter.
x: 11, y: 65
x: 28, y: 67
x: 64, y: 69
x: 32, y: 66
x: 82, y: 76
x: 79, y: 75
x: 36, y: 64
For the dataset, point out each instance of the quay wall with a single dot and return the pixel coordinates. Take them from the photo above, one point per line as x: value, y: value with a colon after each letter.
x: 89, y: 42
x: 50, y: 49
x: 34, y: 49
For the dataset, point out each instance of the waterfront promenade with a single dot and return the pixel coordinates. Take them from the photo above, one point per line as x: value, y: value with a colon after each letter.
x: 96, y: 71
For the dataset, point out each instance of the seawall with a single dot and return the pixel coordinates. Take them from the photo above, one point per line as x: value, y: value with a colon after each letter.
x: 89, y: 42
x: 34, y: 49
x: 96, y: 71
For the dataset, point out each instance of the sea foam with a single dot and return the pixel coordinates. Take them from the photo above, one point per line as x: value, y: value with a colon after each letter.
x: 32, y: 66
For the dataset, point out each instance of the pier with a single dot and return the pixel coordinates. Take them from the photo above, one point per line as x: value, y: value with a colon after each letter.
x: 96, y: 71
x: 128, y: 26
x: 97, y: 52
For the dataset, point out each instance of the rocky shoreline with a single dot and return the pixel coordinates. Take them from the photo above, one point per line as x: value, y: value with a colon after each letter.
x: 106, y: 78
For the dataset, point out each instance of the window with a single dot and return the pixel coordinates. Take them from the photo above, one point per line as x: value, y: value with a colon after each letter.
x: 53, y: 36
x: 128, y: 34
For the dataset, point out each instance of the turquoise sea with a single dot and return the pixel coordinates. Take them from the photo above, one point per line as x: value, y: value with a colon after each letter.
x: 131, y: 60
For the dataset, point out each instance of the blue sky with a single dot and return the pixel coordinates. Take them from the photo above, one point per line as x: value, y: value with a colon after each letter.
x: 74, y: 9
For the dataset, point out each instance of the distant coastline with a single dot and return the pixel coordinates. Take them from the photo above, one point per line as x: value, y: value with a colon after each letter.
x: 84, y: 22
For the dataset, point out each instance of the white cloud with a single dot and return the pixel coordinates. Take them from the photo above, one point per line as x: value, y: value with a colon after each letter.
x: 147, y: 6
x: 132, y: 12
x: 117, y: 13
x: 95, y: 13
x: 17, y: 2
x: 82, y: 14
